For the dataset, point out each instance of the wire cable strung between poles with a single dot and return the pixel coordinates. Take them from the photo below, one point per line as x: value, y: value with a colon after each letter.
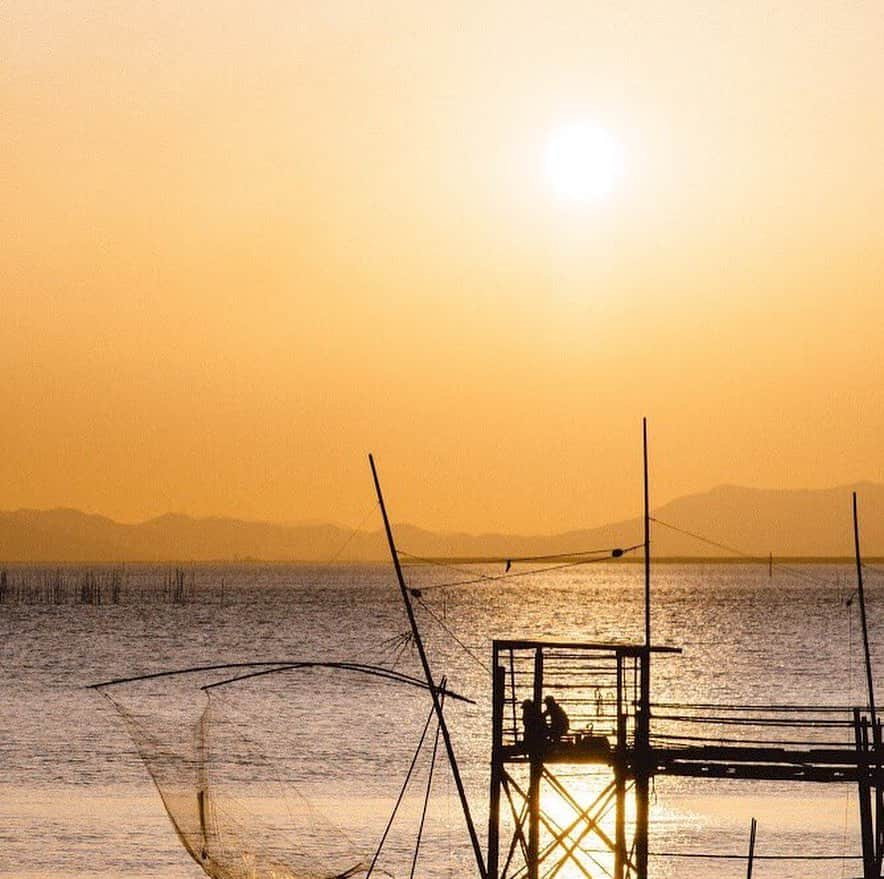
x: 444, y: 626
x: 594, y: 555
x: 430, y: 776
x: 357, y: 530
x: 401, y: 796
x: 417, y: 593
x: 446, y: 561
x: 745, y: 555
x: 508, y: 575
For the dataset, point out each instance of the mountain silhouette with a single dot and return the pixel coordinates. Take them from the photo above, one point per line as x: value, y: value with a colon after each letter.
x: 727, y: 521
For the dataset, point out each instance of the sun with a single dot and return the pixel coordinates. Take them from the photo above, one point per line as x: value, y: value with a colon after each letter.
x: 582, y: 162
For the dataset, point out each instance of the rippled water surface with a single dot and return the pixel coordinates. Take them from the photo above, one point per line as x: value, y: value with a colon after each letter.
x: 75, y: 799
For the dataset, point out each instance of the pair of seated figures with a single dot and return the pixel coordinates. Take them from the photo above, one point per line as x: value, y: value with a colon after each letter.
x: 542, y: 727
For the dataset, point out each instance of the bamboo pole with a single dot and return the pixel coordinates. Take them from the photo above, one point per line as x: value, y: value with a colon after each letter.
x: 434, y: 693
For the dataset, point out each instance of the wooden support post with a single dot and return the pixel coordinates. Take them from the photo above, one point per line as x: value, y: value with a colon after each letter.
x: 879, y: 803
x: 497, y: 705
x: 642, y: 768
x: 861, y: 736
x: 535, y: 777
x: 620, y: 781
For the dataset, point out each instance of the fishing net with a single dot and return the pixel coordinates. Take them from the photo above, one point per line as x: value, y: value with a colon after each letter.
x: 292, y: 775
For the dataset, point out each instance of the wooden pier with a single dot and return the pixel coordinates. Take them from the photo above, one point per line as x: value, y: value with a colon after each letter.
x: 615, y: 728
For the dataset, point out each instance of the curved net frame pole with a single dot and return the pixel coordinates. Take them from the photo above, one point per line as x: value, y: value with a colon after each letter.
x: 434, y: 693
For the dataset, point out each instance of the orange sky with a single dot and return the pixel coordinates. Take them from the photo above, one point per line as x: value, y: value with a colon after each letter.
x: 244, y: 244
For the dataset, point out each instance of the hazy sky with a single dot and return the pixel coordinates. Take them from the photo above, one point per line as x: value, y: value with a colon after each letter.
x: 243, y: 244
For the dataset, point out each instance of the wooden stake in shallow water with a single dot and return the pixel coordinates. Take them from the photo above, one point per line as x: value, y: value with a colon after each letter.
x: 434, y: 691
x: 751, y: 858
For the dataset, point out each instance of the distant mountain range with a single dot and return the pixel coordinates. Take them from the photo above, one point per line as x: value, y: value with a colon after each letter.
x: 730, y: 519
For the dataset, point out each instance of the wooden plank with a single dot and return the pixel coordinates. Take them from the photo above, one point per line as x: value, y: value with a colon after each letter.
x: 621, y: 649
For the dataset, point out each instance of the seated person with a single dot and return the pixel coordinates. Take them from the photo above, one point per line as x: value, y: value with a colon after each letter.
x: 555, y: 719
x: 534, y: 724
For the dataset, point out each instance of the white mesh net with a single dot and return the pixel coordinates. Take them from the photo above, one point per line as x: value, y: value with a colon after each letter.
x: 288, y: 776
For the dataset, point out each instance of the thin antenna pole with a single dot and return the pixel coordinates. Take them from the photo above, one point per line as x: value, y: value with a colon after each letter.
x: 862, y: 612
x: 647, y: 537
x: 434, y: 693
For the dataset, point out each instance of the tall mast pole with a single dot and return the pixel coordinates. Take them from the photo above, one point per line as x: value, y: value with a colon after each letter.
x: 862, y: 612
x: 434, y: 693
x: 877, y: 846
x: 647, y: 537
x: 643, y: 718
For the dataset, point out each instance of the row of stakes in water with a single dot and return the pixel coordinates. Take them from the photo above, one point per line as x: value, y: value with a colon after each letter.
x: 93, y: 587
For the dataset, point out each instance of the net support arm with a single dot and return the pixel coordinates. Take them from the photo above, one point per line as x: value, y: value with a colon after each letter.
x: 434, y: 691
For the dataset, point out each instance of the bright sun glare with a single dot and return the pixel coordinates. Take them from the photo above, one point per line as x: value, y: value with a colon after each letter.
x: 582, y: 162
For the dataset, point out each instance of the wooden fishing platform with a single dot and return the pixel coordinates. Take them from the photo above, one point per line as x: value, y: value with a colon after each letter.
x: 615, y: 728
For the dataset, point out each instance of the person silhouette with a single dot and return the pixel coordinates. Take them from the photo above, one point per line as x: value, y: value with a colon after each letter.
x: 555, y: 719
x: 534, y: 724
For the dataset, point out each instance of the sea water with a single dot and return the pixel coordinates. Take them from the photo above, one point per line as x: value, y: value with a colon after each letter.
x: 75, y: 799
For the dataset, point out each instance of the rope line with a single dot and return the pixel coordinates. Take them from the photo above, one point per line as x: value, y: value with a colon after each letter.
x: 401, y: 796
x: 445, y: 627
x: 420, y: 829
x: 446, y: 561
x: 353, y: 533
x: 507, y: 575
x: 738, y: 552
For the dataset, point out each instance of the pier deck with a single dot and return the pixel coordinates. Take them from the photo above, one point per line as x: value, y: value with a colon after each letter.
x: 720, y: 761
